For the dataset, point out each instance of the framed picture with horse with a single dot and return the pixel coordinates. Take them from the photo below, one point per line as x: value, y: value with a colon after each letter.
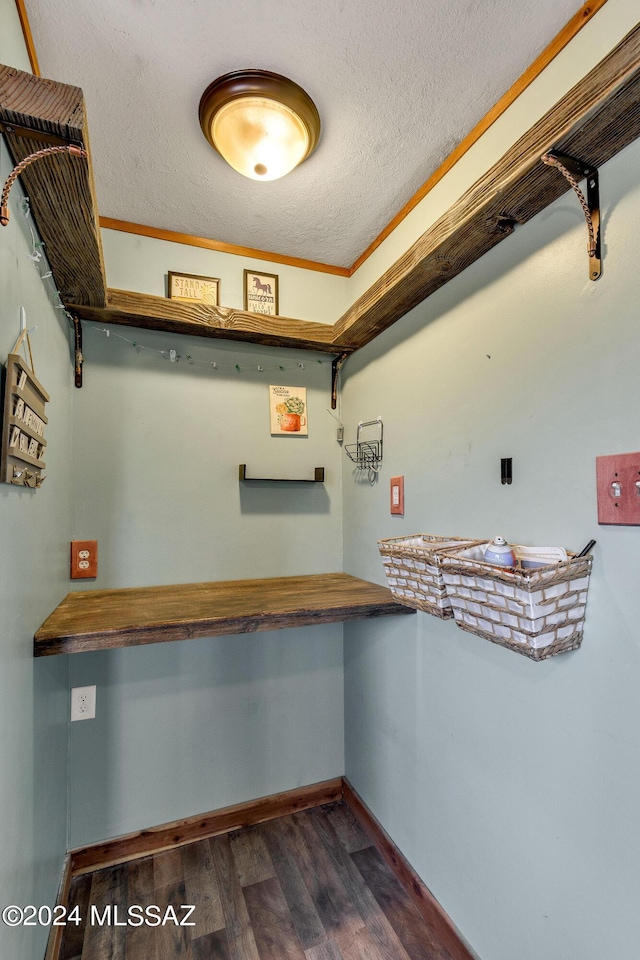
x: 261, y: 292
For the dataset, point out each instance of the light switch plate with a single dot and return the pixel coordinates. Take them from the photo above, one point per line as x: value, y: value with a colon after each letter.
x: 397, y: 496
x: 618, y: 483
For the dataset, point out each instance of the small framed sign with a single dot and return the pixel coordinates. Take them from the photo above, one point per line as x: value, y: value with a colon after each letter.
x: 261, y: 292
x: 191, y: 288
x: 288, y: 411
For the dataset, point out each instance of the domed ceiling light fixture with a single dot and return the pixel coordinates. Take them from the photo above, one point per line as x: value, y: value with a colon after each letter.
x: 263, y: 124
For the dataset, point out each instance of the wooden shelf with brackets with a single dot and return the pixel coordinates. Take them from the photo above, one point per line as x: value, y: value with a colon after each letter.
x: 596, y: 119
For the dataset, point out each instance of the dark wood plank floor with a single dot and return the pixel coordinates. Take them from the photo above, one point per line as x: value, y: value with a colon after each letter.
x: 306, y: 887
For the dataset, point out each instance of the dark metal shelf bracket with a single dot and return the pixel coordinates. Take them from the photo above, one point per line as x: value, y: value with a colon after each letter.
x: 336, y: 366
x: 78, y: 356
x: 573, y: 170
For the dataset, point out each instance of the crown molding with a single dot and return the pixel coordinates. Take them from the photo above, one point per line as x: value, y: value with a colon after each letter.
x: 142, y: 230
x: 559, y: 42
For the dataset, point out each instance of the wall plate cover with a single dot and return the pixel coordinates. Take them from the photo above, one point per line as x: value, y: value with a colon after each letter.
x: 83, y: 703
x: 618, y: 484
x: 84, y: 559
x: 397, y: 495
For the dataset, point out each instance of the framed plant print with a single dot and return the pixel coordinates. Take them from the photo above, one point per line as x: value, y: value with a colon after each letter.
x: 191, y: 288
x: 261, y: 292
x: 288, y: 411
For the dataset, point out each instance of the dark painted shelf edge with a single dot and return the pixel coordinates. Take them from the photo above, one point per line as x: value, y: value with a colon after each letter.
x: 317, y: 478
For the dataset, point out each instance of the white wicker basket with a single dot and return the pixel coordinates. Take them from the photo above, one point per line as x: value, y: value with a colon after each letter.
x: 538, y: 612
x: 412, y: 566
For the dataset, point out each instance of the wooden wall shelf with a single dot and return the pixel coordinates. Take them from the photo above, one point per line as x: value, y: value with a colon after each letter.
x: 591, y: 123
x: 317, y: 478
x: 200, y: 320
x: 36, y: 113
x: 594, y: 121
x: 103, y: 619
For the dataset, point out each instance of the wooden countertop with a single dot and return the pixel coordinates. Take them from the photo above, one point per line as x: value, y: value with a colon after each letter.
x: 102, y: 619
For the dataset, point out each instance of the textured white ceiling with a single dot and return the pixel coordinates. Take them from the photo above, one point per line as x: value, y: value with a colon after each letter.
x: 397, y: 84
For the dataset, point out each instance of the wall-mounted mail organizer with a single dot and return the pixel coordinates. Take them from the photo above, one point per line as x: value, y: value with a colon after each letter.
x: 24, y: 420
x: 536, y: 609
x: 367, y: 452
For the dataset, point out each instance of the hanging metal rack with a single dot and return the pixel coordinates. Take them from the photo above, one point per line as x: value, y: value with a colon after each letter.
x: 367, y: 454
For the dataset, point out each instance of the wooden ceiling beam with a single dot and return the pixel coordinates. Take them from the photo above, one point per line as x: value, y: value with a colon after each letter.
x: 200, y: 320
x: 593, y: 122
x: 34, y: 113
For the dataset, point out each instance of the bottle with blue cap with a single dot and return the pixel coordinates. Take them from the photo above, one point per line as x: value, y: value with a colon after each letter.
x: 500, y: 553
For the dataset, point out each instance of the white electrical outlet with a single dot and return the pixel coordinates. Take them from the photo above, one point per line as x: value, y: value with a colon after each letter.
x: 83, y: 703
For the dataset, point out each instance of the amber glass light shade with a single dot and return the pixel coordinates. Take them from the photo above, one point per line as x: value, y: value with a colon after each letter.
x: 263, y: 124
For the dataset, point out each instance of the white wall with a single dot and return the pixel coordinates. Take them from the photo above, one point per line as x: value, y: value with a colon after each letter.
x: 141, y: 264
x: 34, y: 532
x: 183, y: 729
x: 34, y: 528
x: 511, y: 786
x: 586, y: 50
x: 13, y: 51
x: 188, y: 727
